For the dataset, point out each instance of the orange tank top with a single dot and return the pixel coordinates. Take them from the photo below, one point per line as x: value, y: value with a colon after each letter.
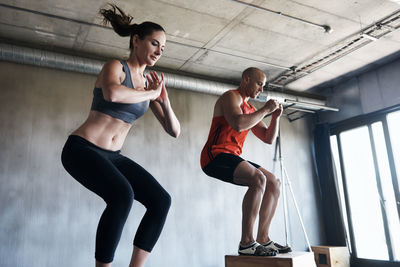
x: 222, y: 138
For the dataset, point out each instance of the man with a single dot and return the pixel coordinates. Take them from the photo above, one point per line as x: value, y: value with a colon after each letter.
x: 233, y: 118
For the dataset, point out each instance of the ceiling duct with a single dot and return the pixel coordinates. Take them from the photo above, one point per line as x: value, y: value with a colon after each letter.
x: 54, y: 60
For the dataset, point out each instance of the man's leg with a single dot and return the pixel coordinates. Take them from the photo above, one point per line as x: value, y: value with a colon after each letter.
x: 267, y: 212
x: 268, y: 206
x: 246, y: 174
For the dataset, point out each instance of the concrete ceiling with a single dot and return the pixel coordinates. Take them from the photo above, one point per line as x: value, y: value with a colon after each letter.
x: 218, y: 39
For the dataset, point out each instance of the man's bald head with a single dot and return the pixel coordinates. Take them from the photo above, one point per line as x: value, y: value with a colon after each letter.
x: 253, y: 82
x: 252, y: 73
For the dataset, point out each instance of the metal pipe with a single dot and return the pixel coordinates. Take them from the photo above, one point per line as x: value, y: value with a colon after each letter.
x: 326, y: 28
x: 285, y: 99
x: 310, y: 105
x: 43, y: 58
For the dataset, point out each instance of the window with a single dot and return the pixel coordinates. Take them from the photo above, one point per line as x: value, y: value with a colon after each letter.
x: 366, y: 155
x: 394, y: 130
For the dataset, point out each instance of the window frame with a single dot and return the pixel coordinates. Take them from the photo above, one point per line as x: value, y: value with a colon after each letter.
x: 359, y: 121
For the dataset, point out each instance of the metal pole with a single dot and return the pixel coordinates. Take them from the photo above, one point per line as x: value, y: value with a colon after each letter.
x: 297, y: 209
x: 283, y: 190
x: 285, y: 179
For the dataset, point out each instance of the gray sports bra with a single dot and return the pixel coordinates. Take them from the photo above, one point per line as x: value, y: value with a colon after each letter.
x: 126, y: 112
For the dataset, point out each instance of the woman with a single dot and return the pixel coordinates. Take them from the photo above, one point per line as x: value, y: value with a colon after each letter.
x: 92, y: 152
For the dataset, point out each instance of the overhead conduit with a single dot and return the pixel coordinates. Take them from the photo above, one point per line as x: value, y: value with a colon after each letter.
x: 43, y: 58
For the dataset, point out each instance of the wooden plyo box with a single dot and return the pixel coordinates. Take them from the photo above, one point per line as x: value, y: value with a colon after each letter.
x: 292, y: 259
x: 326, y: 256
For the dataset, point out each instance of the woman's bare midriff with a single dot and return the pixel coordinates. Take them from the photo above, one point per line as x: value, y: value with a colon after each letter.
x: 103, y: 130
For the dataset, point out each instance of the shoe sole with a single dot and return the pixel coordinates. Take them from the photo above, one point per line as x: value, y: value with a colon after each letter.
x: 283, y: 251
x: 268, y: 255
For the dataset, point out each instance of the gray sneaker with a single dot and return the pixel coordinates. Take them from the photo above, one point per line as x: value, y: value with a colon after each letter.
x: 279, y: 248
x: 256, y: 249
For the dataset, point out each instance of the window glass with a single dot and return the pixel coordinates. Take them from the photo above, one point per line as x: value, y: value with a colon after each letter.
x: 393, y: 120
x: 364, y: 199
x: 336, y: 161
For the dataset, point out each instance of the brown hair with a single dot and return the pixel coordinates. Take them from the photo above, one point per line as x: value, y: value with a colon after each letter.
x: 121, y: 24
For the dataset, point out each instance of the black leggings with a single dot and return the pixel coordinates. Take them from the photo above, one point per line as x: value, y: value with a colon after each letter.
x: 118, y: 180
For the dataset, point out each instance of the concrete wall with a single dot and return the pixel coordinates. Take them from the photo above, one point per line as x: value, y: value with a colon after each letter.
x: 365, y: 93
x: 48, y: 219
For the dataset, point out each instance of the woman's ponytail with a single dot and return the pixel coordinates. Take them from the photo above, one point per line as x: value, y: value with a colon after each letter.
x: 121, y: 22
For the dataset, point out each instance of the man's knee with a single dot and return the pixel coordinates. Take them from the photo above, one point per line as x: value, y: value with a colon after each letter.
x: 273, y: 184
x: 259, y: 180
